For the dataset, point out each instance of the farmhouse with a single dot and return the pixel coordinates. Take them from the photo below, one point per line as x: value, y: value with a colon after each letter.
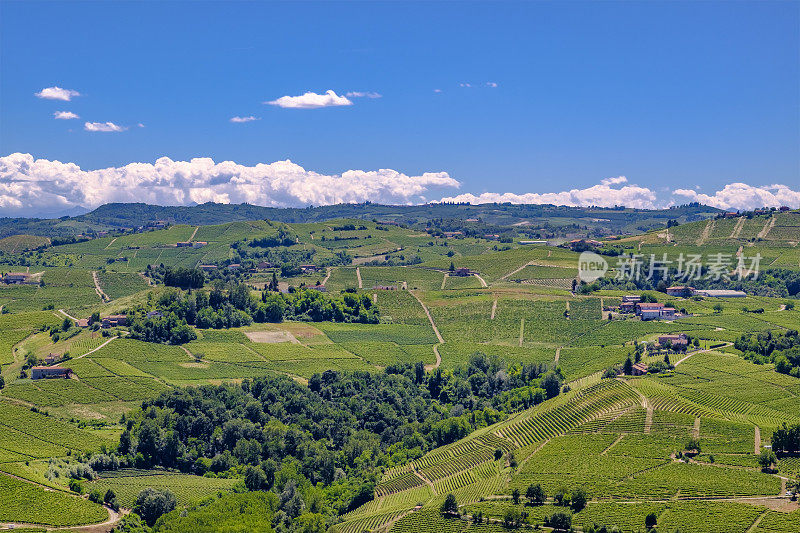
x: 46, y: 372
x: 451, y: 234
x: 674, y: 340
x: 682, y: 291
x: 627, y: 307
x: 320, y: 288
x: 82, y: 322
x: 639, y: 369
x: 16, y: 278
x: 234, y: 266
x: 720, y: 293
x: 264, y: 265
x: 632, y: 298
x: 650, y: 311
x: 114, y: 320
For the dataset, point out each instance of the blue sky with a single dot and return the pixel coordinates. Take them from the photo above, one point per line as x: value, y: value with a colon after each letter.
x: 672, y: 95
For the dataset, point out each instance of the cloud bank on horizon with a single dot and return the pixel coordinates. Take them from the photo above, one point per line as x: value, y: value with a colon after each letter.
x: 29, y: 186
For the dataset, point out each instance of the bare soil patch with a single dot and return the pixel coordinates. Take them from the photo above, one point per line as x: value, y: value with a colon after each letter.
x: 271, y: 337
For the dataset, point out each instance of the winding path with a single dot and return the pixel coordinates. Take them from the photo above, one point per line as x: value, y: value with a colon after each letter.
x: 327, y: 276
x: 103, y: 296
x: 92, y: 350
x: 435, y: 330
x: 483, y: 281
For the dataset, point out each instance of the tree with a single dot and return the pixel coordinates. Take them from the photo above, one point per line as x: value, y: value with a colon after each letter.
x: 766, y: 459
x: 535, y: 494
x: 273, y: 285
x: 627, y: 368
x: 578, y: 500
x: 515, y: 496
x: 450, y: 505
x: 152, y: 503
x: 452, y: 267
x: 717, y: 308
x: 66, y: 324
x: 560, y: 520
x: 512, y: 460
x: 512, y: 518
x: 254, y: 477
x: 650, y: 520
x: 2, y: 382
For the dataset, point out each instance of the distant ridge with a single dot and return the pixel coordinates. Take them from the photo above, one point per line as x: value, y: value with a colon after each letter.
x: 130, y: 215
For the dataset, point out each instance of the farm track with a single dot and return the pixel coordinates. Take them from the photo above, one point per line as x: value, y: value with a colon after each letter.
x: 529, y: 263
x: 424, y: 479
x: 444, y: 280
x: 327, y: 276
x: 701, y: 351
x: 757, y: 521
x: 696, y: 428
x: 92, y: 350
x: 521, y: 330
x: 757, y: 441
x: 706, y: 233
x: 430, y: 318
x: 67, y: 315
x: 110, y: 243
x: 483, y: 281
x: 103, y: 296
x: 194, y: 233
x: 358, y: 276
x: 765, y: 230
x: 113, y: 516
x: 494, y: 309
x: 619, y: 438
x: 737, y: 229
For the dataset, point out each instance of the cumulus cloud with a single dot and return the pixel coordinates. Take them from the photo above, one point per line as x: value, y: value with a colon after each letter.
x: 311, y: 100
x: 616, y: 191
x: 108, y: 127
x: 57, y: 93
x: 359, y: 94
x: 744, y: 196
x: 250, y: 118
x: 603, y: 195
x: 65, y: 115
x: 31, y: 186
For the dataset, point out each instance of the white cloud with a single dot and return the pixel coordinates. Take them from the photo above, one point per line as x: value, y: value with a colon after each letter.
x: 57, y: 93
x: 311, y: 100
x: 103, y: 126
x: 744, y: 196
x: 437, y: 90
x: 491, y: 84
x: 65, y: 115
x: 250, y: 118
x: 140, y: 125
x: 465, y: 85
x: 359, y: 94
x: 30, y: 186
x: 603, y: 195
